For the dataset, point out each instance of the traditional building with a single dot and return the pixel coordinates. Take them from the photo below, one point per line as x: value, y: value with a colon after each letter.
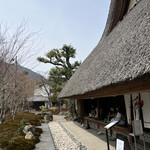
x: 117, y: 71
x: 40, y: 97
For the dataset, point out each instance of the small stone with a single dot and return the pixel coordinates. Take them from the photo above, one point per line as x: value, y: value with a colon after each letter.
x: 29, y: 136
x: 61, y: 113
x: 48, y: 117
x: 28, y: 128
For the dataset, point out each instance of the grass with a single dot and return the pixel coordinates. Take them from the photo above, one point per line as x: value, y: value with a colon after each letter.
x: 11, y: 138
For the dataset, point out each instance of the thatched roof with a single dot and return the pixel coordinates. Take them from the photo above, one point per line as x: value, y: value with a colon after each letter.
x: 38, y: 99
x: 121, y: 57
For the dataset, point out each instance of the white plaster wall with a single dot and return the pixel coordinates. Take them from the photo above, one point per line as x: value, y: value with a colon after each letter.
x: 146, y: 107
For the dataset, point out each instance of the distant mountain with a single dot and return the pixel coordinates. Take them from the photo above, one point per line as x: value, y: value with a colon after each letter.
x: 30, y: 72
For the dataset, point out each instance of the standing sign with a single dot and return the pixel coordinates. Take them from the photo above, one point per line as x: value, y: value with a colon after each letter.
x: 107, y: 127
x: 119, y: 144
x: 111, y: 124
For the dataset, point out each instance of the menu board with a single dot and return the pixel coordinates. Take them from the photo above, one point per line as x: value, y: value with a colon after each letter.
x: 111, y: 124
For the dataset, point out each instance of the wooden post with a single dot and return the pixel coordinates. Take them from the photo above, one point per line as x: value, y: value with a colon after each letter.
x: 141, y: 112
x: 132, y: 117
x: 80, y: 110
x: 98, y: 107
x: 131, y: 108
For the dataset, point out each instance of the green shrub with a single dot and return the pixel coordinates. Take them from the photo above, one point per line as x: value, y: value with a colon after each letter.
x: 42, y: 121
x: 22, y: 124
x: 42, y: 108
x: 13, y: 139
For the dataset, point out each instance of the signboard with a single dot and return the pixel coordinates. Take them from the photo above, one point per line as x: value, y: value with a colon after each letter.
x: 138, y: 127
x: 107, y: 127
x: 119, y: 144
x: 111, y: 124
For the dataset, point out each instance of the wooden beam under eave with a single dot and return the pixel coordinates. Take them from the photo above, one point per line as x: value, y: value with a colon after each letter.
x: 141, y: 84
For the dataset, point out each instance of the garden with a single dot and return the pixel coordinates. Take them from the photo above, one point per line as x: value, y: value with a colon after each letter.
x: 12, y: 134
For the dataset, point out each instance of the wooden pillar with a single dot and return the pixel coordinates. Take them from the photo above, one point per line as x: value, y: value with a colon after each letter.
x: 131, y: 108
x: 131, y: 117
x: 141, y: 112
x: 98, y: 106
x: 80, y: 109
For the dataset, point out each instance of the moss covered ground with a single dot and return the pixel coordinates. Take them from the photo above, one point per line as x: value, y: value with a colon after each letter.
x: 11, y: 138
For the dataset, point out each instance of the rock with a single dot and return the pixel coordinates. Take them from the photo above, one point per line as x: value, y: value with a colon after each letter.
x: 29, y: 128
x: 48, y: 117
x: 64, y: 106
x: 61, y: 113
x: 38, y: 113
x: 29, y: 136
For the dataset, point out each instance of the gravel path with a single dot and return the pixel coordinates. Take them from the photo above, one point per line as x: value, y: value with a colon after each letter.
x: 62, y: 140
x: 56, y: 137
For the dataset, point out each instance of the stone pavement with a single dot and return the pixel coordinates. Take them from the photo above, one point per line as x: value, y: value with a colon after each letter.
x: 86, y: 137
x: 89, y: 140
x: 58, y: 118
x: 46, y: 141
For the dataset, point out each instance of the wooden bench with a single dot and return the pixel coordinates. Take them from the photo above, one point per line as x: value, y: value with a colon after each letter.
x: 116, y: 128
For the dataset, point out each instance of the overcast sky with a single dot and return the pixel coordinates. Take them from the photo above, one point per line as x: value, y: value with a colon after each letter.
x: 76, y: 22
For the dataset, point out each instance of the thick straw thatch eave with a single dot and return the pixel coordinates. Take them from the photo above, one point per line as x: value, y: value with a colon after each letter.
x: 137, y: 85
x: 123, y: 55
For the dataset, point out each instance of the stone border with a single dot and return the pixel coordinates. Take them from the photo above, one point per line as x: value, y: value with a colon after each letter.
x: 82, y: 147
x: 52, y: 137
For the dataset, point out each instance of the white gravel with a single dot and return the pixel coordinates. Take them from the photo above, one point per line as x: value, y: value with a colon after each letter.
x: 61, y: 139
